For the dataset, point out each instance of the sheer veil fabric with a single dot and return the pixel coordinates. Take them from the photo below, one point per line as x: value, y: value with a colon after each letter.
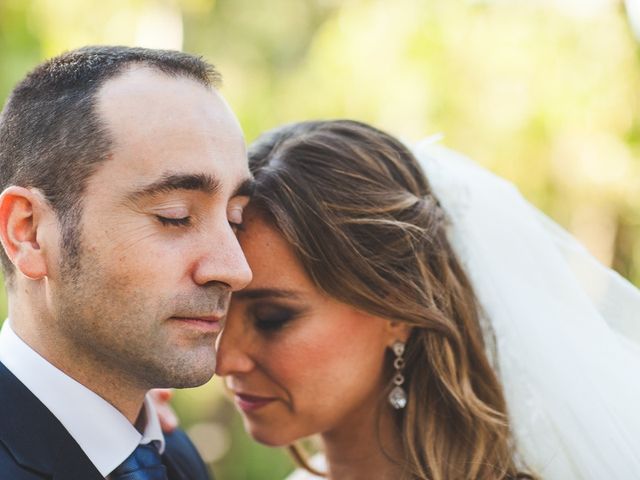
x: 563, y: 331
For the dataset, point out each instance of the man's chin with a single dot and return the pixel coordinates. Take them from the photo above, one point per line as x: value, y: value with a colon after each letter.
x: 190, y: 381
x: 187, y: 373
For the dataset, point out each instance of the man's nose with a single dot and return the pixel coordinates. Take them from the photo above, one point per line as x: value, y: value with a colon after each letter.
x: 222, y: 261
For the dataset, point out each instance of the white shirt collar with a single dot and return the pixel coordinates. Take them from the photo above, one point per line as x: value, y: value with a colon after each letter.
x: 103, y: 433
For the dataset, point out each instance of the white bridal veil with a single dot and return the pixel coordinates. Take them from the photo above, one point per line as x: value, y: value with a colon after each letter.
x: 566, y: 329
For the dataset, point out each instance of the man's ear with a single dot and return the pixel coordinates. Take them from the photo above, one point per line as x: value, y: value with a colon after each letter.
x: 21, y: 211
x: 397, y: 331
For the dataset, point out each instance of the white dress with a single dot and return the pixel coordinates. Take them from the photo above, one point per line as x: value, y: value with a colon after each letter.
x: 318, y: 461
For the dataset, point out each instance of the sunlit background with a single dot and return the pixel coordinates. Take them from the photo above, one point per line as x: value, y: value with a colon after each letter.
x: 543, y: 92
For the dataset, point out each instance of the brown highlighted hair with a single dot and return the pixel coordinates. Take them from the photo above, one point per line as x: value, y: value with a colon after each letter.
x: 358, y: 211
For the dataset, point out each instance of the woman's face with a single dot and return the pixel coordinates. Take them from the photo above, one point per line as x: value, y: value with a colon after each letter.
x: 297, y: 361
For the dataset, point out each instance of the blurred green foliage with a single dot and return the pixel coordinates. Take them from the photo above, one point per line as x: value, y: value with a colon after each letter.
x: 544, y: 93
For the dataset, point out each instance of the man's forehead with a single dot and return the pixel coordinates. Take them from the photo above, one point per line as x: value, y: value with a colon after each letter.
x: 159, y: 123
x: 142, y: 92
x: 138, y: 78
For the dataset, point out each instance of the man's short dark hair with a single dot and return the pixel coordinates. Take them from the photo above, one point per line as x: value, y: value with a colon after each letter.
x: 51, y: 136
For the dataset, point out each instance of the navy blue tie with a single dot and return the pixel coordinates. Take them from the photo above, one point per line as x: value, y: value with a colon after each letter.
x: 143, y: 464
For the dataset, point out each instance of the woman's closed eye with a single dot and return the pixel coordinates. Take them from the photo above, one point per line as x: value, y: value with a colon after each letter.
x: 271, y: 318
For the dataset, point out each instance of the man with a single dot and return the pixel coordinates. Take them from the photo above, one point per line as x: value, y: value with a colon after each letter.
x: 124, y: 176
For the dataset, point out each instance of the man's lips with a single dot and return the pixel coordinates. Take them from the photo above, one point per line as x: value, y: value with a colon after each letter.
x: 211, y: 323
x: 249, y: 403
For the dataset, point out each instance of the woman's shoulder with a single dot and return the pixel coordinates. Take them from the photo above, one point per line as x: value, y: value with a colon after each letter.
x: 318, y: 462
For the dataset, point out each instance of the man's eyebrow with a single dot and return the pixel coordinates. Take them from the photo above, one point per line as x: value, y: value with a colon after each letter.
x: 169, y: 182
x: 261, y: 293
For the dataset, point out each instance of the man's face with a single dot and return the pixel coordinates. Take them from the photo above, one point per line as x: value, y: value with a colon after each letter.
x: 158, y: 253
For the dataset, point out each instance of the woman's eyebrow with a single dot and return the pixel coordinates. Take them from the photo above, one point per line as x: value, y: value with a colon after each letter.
x: 259, y: 293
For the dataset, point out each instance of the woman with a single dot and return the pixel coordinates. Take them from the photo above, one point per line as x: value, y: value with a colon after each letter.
x: 378, y: 317
x: 350, y: 260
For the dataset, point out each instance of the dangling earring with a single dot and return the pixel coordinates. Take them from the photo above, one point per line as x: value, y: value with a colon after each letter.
x: 398, y: 397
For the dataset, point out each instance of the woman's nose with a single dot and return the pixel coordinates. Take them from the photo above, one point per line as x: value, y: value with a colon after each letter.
x: 233, y: 356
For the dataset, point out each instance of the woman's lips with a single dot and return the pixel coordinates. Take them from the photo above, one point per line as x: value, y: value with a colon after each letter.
x: 250, y: 403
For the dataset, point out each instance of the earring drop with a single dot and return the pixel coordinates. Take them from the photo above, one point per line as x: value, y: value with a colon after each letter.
x: 398, y: 397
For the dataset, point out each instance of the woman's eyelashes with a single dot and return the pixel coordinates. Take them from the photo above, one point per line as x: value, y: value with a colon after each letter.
x: 271, y: 318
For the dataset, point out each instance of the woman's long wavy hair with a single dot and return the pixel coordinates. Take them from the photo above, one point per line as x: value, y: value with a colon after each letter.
x: 358, y: 211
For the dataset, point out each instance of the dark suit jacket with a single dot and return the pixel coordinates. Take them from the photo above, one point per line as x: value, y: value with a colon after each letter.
x: 35, y: 446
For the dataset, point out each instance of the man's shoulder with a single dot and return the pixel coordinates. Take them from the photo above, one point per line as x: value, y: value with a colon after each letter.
x: 11, y: 469
x: 183, y: 458
x: 14, y: 417
x: 33, y: 443
x: 21, y: 413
